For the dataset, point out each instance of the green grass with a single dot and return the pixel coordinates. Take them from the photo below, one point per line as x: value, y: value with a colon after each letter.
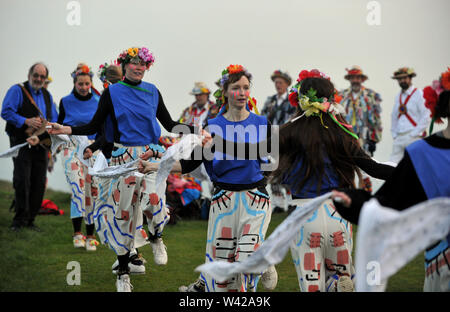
x: 38, y: 261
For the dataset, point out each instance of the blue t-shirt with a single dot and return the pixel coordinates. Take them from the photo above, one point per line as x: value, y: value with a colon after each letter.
x: 135, y: 111
x: 225, y: 168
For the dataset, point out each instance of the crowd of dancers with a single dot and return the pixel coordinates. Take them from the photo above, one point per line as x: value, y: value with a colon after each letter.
x: 319, y: 139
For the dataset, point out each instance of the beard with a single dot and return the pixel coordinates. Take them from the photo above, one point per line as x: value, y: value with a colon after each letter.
x: 404, y: 85
x: 356, y: 87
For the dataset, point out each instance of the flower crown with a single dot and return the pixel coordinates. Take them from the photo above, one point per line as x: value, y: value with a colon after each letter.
x: 431, y: 95
x: 311, y: 105
x: 84, y: 70
x: 101, y: 73
x: 136, y: 53
x: 220, y: 98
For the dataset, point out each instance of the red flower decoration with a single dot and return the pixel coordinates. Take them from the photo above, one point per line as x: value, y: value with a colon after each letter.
x: 85, y: 69
x: 431, y: 97
x: 233, y: 69
x: 445, y: 79
x: 337, y: 98
x: 293, y: 99
x: 250, y: 106
x: 314, y: 73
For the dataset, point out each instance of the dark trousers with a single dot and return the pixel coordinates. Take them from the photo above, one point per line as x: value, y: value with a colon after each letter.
x: 29, y: 177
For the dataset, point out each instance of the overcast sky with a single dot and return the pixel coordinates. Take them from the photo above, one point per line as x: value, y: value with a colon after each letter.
x: 194, y: 40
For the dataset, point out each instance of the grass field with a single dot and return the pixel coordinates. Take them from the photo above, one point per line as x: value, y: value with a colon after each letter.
x: 33, y: 261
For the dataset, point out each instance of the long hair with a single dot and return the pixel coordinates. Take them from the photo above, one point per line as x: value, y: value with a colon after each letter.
x: 443, y: 105
x: 309, y: 140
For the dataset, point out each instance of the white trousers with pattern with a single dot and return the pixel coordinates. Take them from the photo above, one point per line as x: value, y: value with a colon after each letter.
x: 237, y: 225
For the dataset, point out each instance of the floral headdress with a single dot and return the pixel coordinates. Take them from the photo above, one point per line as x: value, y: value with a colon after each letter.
x: 101, y: 73
x: 431, y: 94
x: 136, y: 53
x: 220, y: 99
x: 311, y: 105
x: 83, y: 70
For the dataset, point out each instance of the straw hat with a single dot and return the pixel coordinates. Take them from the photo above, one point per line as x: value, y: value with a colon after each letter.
x: 200, y: 88
x: 404, y: 72
x: 355, y: 71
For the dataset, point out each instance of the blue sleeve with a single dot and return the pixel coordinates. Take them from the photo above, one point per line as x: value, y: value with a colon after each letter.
x: 54, y: 111
x: 11, y: 104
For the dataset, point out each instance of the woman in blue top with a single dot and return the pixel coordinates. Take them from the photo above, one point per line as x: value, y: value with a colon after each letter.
x: 130, y: 109
x: 240, y: 209
x: 320, y: 152
x: 77, y: 109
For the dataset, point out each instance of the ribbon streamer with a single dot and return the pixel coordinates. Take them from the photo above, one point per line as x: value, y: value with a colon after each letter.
x: 389, y: 238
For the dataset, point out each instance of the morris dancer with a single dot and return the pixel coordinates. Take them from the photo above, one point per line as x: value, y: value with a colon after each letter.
x: 77, y: 109
x: 421, y: 175
x: 130, y: 109
x: 318, y: 152
x: 410, y: 117
x: 240, y: 209
x: 363, y: 112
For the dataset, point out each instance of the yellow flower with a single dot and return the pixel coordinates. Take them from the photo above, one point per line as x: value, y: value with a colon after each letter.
x: 310, y: 108
x: 133, y: 52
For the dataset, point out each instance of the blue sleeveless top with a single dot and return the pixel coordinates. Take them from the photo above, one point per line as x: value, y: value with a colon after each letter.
x: 78, y: 112
x: 135, y: 111
x: 329, y: 181
x: 224, y: 168
x: 430, y: 164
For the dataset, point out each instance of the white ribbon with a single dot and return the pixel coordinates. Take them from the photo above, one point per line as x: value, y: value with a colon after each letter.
x: 180, y: 150
x: 13, y: 151
x: 388, y: 239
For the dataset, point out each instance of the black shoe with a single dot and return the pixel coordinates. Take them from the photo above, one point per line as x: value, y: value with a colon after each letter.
x: 34, y: 227
x: 15, y: 228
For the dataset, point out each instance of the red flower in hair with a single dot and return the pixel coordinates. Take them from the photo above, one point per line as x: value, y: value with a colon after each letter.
x: 233, y: 69
x: 445, y: 79
x: 85, y: 69
x: 303, y: 75
x: 314, y: 73
x: 337, y: 98
x: 293, y: 99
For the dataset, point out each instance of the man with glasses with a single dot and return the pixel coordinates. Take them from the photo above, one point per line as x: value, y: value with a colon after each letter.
x: 26, y: 108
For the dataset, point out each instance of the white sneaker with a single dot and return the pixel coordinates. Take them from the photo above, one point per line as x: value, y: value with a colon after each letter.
x: 197, y: 286
x: 79, y: 241
x: 159, y: 251
x: 345, y: 284
x: 91, y: 244
x: 123, y: 283
x: 136, y: 265
x: 269, y: 278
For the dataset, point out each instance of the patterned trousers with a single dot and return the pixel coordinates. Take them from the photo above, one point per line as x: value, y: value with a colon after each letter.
x: 123, y: 201
x: 237, y: 225
x: 84, y: 190
x: 322, y: 248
